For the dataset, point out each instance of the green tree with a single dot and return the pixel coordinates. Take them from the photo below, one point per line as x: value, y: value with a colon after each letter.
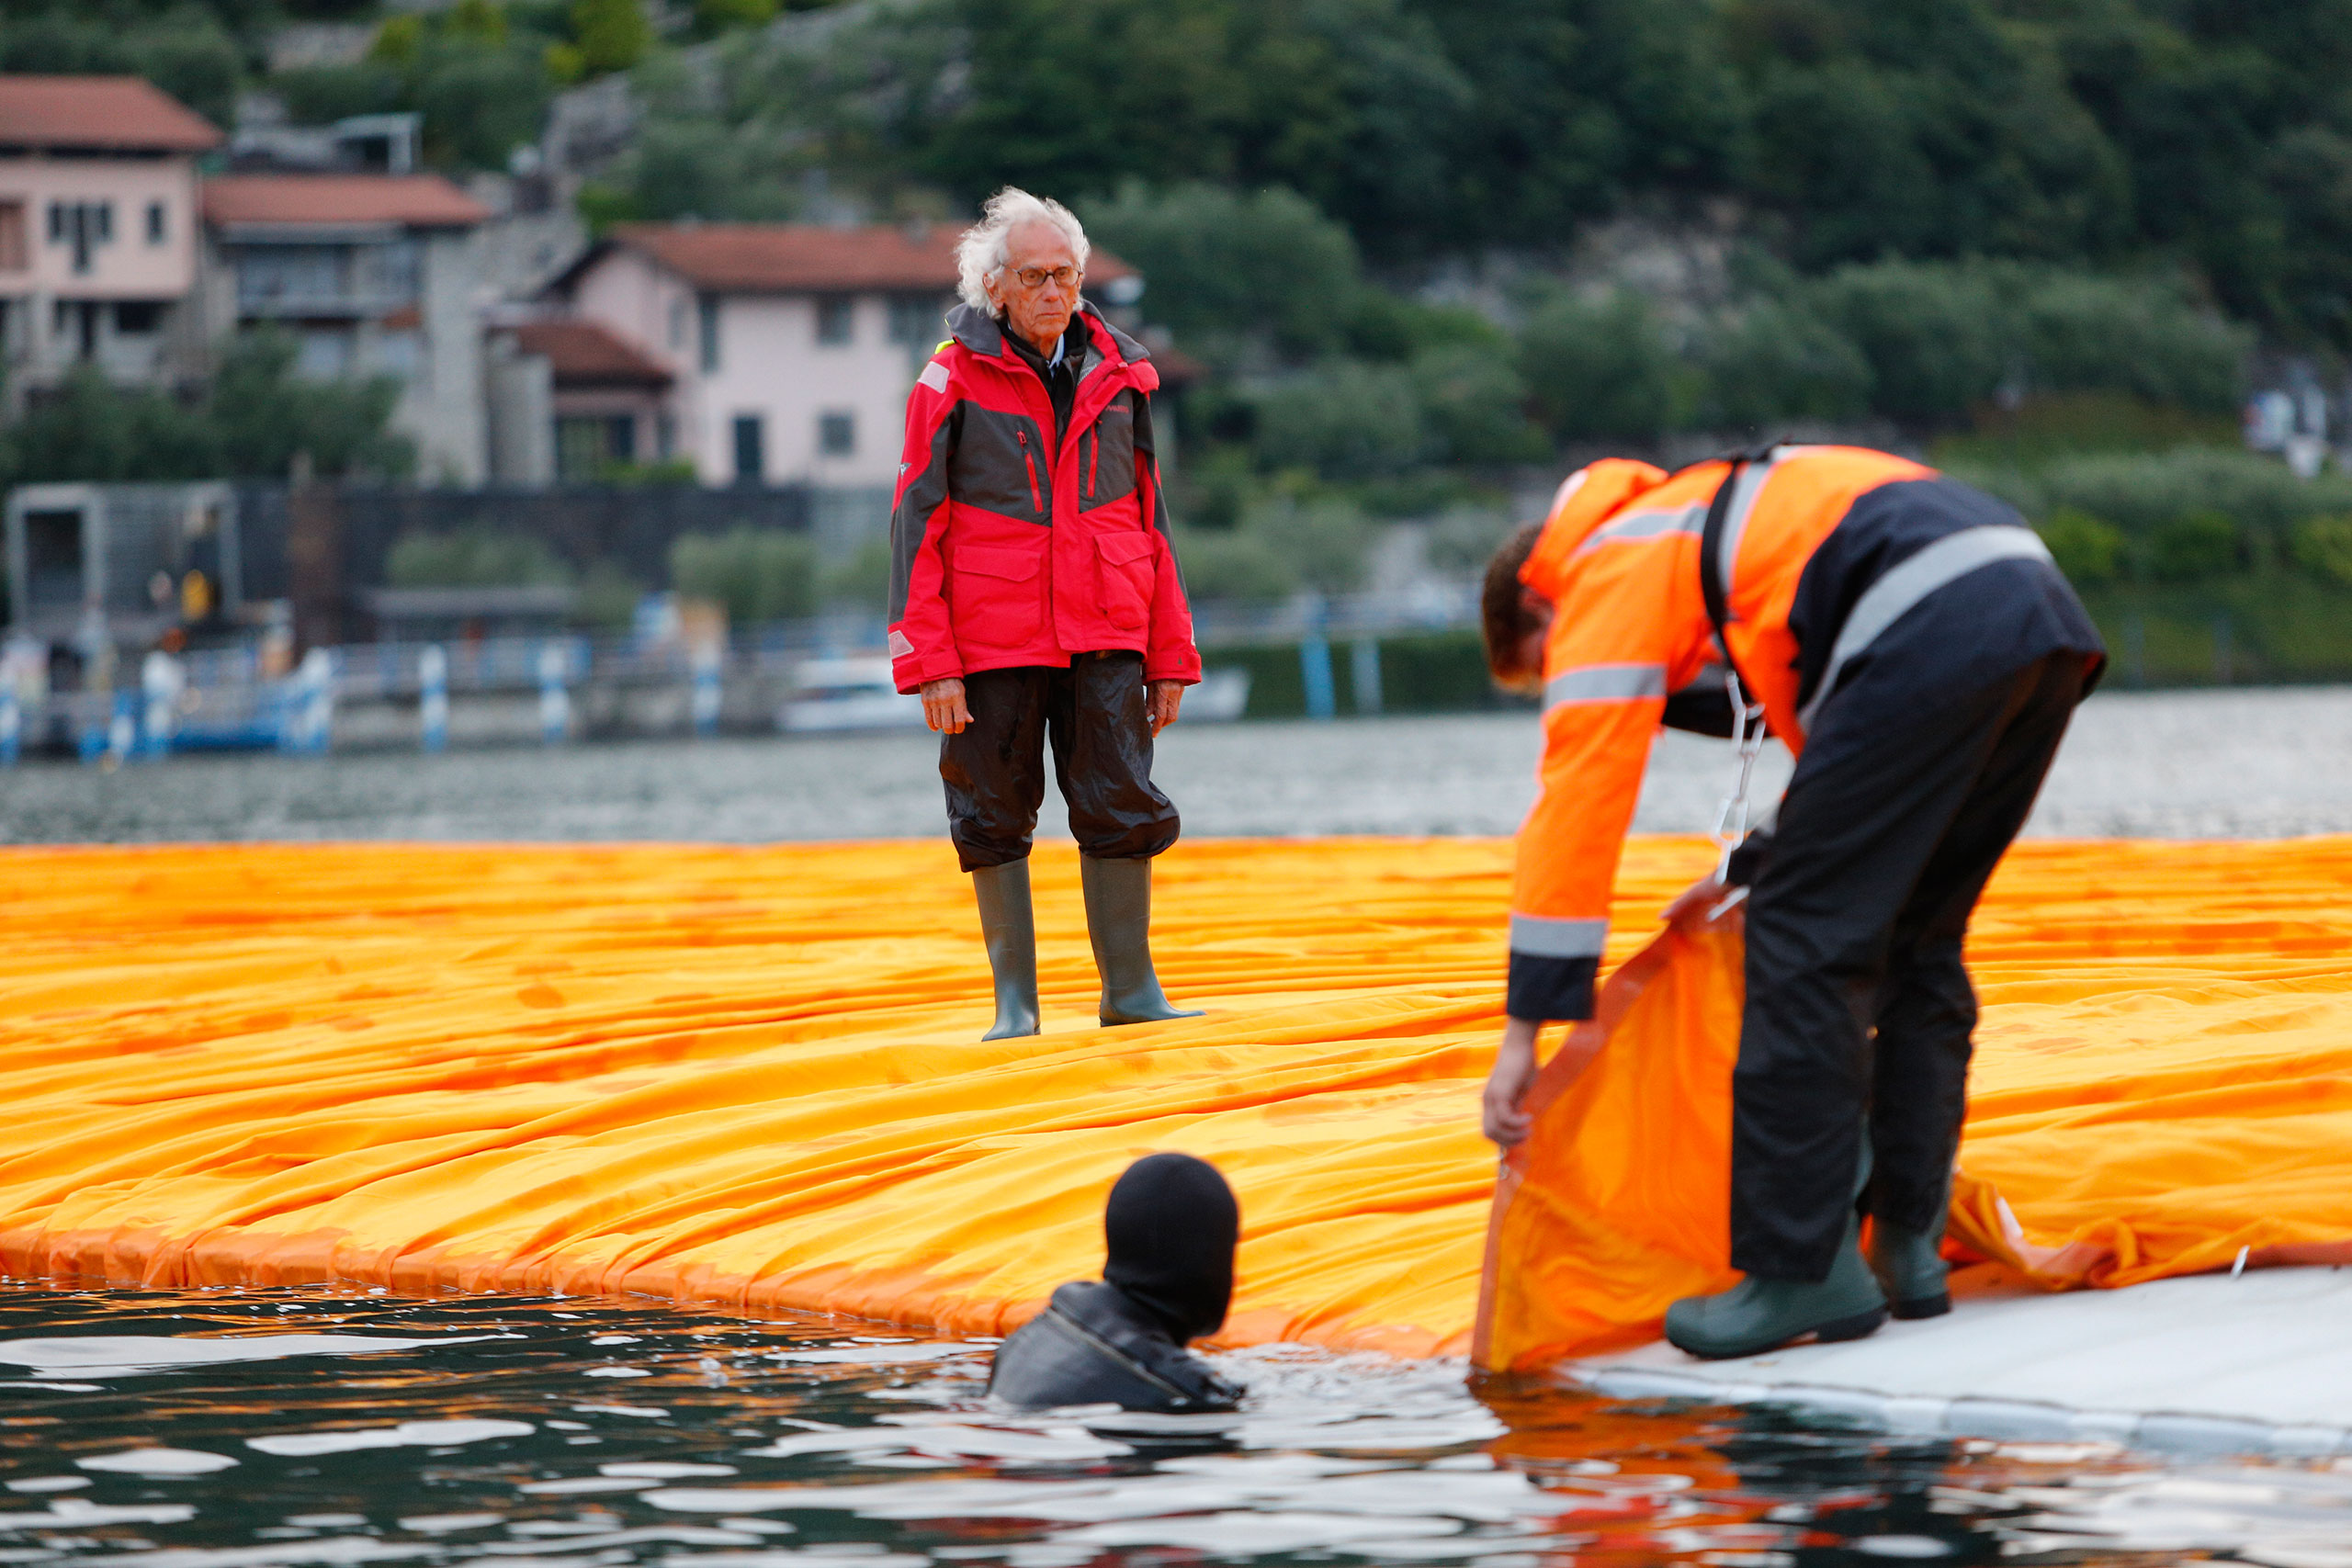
x: 1777, y: 360
x: 2088, y: 550
x: 759, y: 574
x: 1599, y: 370
x: 2323, y: 547
x: 607, y: 36
x: 1475, y: 404
x: 1221, y: 266
x: 265, y: 414
x: 1935, y: 337
x: 1344, y: 420
x: 2194, y: 548
x: 472, y: 557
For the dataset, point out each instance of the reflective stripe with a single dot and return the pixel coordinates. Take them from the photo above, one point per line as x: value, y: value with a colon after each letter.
x: 1604, y: 683
x: 1541, y: 936
x: 1645, y: 526
x: 1743, y: 493
x: 1884, y: 602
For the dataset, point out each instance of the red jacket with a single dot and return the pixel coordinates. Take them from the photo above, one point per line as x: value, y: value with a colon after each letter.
x: 1005, y: 552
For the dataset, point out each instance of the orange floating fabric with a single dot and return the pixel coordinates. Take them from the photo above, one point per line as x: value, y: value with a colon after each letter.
x: 2127, y: 1120
x: 748, y: 1076
x: 1618, y: 1203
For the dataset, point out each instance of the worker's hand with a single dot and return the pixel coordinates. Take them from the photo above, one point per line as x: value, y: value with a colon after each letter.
x: 1165, y: 697
x: 1699, y: 896
x: 1507, y: 1086
x: 942, y: 705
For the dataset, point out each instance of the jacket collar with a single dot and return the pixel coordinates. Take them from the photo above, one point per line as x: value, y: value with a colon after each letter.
x: 977, y: 329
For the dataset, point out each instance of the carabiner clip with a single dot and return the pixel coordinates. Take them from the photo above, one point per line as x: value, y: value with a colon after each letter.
x: 1748, y: 733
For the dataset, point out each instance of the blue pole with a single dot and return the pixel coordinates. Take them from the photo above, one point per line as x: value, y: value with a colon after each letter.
x: 12, y: 723
x: 708, y: 658
x: 122, y: 735
x: 1364, y: 665
x: 433, y: 696
x: 555, y: 701
x: 1315, y: 668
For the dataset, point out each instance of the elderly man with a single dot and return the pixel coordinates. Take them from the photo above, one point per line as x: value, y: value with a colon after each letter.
x: 1033, y: 595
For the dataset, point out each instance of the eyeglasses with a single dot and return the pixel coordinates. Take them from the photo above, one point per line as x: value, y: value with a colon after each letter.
x: 1034, y: 277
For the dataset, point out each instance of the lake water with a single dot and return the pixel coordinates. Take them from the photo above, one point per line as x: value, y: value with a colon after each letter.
x: 235, y: 1428
x: 203, y: 1429
x: 2258, y: 763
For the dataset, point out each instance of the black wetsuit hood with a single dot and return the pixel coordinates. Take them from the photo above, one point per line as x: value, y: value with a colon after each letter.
x: 1169, y: 1230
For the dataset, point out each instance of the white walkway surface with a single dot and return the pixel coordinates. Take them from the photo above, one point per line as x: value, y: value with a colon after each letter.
x: 2258, y: 1363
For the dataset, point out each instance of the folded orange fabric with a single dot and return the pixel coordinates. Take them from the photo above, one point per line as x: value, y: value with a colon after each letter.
x: 749, y: 1076
x: 2179, y: 1103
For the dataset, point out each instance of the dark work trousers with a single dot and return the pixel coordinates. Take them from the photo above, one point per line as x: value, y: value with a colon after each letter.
x: 1857, y: 1002
x: 1096, y: 714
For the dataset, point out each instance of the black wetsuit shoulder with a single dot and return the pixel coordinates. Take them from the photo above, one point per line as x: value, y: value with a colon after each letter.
x: 1094, y: 1345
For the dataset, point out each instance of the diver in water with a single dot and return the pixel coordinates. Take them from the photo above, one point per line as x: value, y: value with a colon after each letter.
x: 1169, y: 1229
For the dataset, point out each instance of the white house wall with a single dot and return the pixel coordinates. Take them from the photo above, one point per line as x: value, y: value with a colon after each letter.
x: 771, y: 364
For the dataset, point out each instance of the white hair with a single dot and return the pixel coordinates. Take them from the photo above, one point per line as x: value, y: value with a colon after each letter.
x: 979, y: 255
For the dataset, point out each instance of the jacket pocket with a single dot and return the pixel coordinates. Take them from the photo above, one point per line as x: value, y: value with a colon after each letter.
x: 1127, y: 575
x: 1107, y: 461
x: 992, y: 595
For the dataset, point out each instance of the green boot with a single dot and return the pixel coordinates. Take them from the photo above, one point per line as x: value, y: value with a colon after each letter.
x: 1010, y: 931
x: 1756, y: 1314
x: 1910, y: 1270
x: 1118, y: 921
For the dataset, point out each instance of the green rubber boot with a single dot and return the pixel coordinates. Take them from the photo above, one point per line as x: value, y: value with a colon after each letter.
x: 1756, y: 1314
x: 1010, y: 931
x: 1910, y: 1270
x: 1118, y: 921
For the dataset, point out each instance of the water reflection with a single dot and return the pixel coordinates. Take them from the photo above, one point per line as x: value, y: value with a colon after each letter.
x: 226, y: 1428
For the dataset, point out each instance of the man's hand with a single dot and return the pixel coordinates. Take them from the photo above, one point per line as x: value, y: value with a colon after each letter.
x: 1699, y: 896
x: 1507, y: 1086
x: 1165, y: 697
x: 942, y: 705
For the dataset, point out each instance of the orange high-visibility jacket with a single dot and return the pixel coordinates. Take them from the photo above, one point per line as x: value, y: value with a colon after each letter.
x: 1619, y: 558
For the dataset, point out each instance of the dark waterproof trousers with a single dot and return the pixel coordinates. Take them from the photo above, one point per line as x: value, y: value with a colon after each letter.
x: 1858, y: 1003
x: 1095, y: 713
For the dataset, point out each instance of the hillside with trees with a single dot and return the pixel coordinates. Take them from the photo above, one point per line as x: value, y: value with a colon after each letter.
x: 1423, y: 246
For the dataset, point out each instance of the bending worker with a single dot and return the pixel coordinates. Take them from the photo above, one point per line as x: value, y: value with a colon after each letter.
x: 1169, y: 1230
x: 1910, y: 640
x: 1034, y: 593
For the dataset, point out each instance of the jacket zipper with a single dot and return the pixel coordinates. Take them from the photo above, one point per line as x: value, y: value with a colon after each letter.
x: 1028, y: 461
x: 1094, y: 465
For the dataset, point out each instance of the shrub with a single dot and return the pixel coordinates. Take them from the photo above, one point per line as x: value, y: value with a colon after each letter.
x: 1223, y: 264
x: 1476, y: 406
x: 2084, y: 333
x: 2140, y: 494
x: 2193, y: 547
x: 759, y: 574
x: 1323, y: 542
x: 1232, y: 564
x: 1598, y: 371
x: 2323, y: 547
x: 862, y: 579
x: 1776, y: 360
x: 2088, y: 550
x: 1931, y: 334
x: 1345, y: 420
x: 471, y: 557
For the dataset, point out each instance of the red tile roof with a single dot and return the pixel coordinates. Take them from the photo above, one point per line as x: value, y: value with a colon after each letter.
x: 123, y: 113
x: 786, y: 258
x: 587, y: 354
x: 423, y: 201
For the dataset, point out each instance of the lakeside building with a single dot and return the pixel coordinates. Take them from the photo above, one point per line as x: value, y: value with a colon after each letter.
x: 791, y: 346
x: 98, y: 248
x: 374, y: 275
